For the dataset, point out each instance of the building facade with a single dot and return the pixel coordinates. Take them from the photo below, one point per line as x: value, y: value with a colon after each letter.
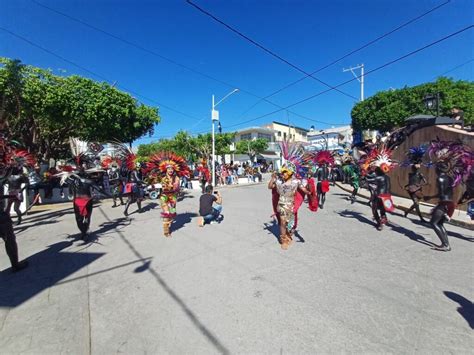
x: 285, y: 132
x: 330, y: 139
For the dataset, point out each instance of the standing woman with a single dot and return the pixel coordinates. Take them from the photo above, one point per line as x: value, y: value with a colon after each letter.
x: 171, y: 167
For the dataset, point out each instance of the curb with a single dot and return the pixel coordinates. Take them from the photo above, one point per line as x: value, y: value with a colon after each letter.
x: 453, y: 221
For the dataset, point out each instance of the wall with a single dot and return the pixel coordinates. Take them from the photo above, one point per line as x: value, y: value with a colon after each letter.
x: 399, y: 176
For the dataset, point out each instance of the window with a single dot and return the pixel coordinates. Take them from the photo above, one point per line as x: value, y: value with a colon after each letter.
x: 279, y: 134
x: 268, y: 137
x: 246, y: 137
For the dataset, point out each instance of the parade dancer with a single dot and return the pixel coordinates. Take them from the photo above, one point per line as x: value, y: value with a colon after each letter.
x: 134, y: 190
x: 130, y: 175
x: 204, y: 176
x: 453, y: 162
x: 324, y: 160
x: 379, y: 162
x: 7, y: 162
x: 354, y: 179
x: 80, y: 185
x: 416, y: 180
x: 20, y: 159
x: 286, y: 188
x: 468, y: 195
x: 287, y: 193
x: 170, y: 168
x: 112, y: 168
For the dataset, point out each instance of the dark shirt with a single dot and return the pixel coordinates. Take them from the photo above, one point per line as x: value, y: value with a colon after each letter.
x: 445, y: 187
x: 381, y: 184
x: 205, y: 204
x: 416, y: 179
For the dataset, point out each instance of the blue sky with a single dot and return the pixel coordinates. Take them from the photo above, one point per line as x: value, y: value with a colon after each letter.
x: 309, y: 34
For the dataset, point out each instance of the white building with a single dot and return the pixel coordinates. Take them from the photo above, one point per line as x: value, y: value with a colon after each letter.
x: 330, y: 139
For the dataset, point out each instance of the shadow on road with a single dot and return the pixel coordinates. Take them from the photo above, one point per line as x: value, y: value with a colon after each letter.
x: 182, y: 219
x: 149, y: 207
x: 467, y: 307
x: 273, y: 228
x: 356, y: 215
x: 184, y: 307
x: 46, y: 268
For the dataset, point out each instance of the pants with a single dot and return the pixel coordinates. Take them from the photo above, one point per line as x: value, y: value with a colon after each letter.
x: 8, y: 236
x: 437, y: 222
x: 83, y: 222
x: 214, y: 216
x: 377, y: 206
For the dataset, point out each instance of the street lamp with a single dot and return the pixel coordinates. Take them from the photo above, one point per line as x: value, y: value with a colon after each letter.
x: 432, y: 101
x: 214, y: 118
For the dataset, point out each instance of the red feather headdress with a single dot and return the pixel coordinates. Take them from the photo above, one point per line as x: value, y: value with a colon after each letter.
x: 161, y: 161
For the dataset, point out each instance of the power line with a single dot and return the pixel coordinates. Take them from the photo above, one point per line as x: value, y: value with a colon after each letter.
x: 360, y: 48
x: 273, y: 54
x: 93, y: 73
x: 156, y: 54
x: 367, y: 73
x: 453, y: 69
x: 347, y: 55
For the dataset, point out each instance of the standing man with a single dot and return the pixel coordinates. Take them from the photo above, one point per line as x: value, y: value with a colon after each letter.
x: 210, y: 207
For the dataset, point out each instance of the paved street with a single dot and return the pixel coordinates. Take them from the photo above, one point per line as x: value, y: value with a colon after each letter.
x: 229, y: 288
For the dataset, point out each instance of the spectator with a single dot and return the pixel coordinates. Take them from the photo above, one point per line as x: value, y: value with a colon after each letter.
x: 208, y: 211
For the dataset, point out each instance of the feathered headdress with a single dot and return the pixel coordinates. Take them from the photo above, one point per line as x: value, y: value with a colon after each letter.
x: 79, y: 151
x: 20, y: 157
x: 108, y: 162
x: 293, y: 154
x: 324, y: 157
x: 453, y: 158
x: 163, y: 160
x: 380, y: 157
x: 415, y: 155
x: 125, y: 154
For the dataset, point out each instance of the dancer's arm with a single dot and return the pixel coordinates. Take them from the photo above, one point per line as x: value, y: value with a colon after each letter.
x: 271, y: 183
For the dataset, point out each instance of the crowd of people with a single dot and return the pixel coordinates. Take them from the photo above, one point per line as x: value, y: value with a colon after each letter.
x: 305, y: 176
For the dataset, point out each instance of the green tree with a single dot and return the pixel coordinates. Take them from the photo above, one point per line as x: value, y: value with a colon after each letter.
x: 252, y: 147
x: 388, y: 109
x: 43, y: 110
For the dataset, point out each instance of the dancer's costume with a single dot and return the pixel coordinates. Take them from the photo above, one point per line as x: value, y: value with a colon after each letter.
x: 468, y: 195
x: 454, y: 162
x: 130, y: 175
x: 416, y: 179
x: 80, y: 184
x: 378, y: 163
x: 204, y: 176
x: 170, y: 168
x: 351, y: 172
x: 112, y: 166
x: 324, y: 160
x: 11, y: 159
x: 287, y: 196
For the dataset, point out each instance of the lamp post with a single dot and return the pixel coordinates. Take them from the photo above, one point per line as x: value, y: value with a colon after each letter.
x: 431, y: 101
x: 214, y: 118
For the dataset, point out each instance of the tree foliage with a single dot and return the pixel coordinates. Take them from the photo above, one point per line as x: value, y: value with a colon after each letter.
x: 43, y: 110
x: 192, y: 148
x: 388, y: 109
x: 252, y: 147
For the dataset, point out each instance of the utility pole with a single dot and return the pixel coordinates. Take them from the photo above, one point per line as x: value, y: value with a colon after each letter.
x: 359, y: 78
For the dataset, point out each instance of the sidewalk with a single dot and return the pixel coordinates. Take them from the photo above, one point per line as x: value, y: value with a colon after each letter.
x: 460, y: 218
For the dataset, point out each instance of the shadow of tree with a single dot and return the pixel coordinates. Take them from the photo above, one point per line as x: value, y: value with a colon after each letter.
x: 46, y: 268
x: 467, y: 307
